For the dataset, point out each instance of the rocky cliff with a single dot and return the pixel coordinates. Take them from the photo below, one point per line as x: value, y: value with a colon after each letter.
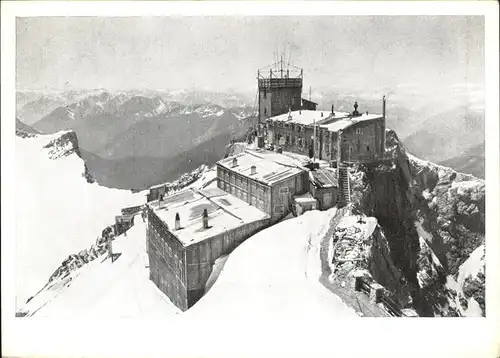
x: 433, y: 219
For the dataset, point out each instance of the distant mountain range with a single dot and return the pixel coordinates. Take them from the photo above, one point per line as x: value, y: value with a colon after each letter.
x: 132, y: 140
x: 471, y: 161
x: 161, y: 127
x: 449, y: 135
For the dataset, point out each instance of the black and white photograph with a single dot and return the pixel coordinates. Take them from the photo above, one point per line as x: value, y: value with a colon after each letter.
x: 302, y: 169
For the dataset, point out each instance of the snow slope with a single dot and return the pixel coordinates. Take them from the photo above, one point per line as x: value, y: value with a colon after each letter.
x: 119, y: 289
x: 58, y: 212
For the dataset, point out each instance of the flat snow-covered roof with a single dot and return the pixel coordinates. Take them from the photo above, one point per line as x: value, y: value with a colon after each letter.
x: 333, y: 123
x: 225, y: 212
x: 271, y: 167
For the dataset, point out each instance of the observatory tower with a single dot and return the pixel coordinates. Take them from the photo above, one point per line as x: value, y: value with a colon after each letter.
x: 280, y: 89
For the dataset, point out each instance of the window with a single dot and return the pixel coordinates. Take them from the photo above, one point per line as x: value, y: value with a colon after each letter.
x: 367, y: 148
x: 284, y: 190
x: 261, y: 204
x: 358, y: 131
x: 279, y: 209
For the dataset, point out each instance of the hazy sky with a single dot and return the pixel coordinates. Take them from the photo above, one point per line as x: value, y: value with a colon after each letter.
x: 225, y: 52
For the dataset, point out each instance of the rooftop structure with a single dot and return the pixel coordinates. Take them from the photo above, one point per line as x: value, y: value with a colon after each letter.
x: 225, y: 212
x: 280, y: 89
x: 268, y: 167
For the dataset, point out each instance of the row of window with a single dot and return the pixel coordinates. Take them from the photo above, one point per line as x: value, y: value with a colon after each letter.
x: 241, y: 182
x: 257, y: 201
x: 168, y: 255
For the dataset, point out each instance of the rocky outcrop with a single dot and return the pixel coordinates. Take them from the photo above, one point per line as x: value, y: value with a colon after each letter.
x: 62, y: 146
x: 75, y: 261
x: 65, y: 145
x: 433, y: 219
x: 359, y: 245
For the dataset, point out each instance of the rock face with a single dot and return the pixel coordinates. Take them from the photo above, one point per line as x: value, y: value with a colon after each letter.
x: 63, y: 146
x: 433, y: 219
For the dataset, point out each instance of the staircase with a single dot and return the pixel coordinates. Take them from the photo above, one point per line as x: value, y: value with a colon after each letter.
x: 344, y: 186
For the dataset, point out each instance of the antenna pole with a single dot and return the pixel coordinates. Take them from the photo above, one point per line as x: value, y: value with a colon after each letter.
x: 281, y: 66
x: 314, y: 139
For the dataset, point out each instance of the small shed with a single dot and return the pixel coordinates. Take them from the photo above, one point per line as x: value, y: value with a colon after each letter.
x: 323, y: 185
x: 155, y: 192
x: 303, y: 203
x: 308, y: 105
x: 123, y: 223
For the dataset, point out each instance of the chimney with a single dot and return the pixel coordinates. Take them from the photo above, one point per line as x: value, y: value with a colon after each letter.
x: 289, y: 113
x: 332, y: 110
x: 383, y: 106
x: 205, y: 219
x: 321, y: 114
x: 235, y: 162
x: 177, y: 221
x: 253, y: 170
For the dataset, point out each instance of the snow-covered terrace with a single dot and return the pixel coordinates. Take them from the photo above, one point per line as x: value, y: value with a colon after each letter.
x: 225, y: 212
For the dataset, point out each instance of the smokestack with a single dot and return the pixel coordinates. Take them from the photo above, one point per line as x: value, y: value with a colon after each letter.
x: 253, y: 170
x: 332, y: 110
x: 383, y: 106
x: 205, y: 219
x: 177, y: 221
x: 235, y: 162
